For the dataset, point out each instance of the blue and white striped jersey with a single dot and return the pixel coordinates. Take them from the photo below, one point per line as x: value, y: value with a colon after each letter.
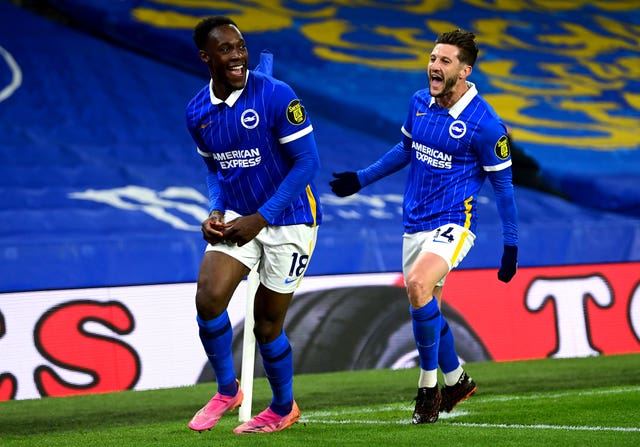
x: 259, y: 143
x: 451, y: 152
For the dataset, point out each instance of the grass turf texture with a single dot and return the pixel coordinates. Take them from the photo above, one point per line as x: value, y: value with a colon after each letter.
x: 567, y: 402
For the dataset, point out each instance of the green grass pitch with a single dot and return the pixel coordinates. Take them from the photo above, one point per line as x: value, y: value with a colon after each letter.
x: 563, y: 402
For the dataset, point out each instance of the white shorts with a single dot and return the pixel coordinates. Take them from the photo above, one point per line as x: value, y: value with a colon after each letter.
x: 282, y: 253
x: 451, y: 242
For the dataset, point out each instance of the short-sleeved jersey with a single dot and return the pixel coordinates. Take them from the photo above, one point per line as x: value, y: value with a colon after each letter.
x: 451, y: 152
x: 244, y: 141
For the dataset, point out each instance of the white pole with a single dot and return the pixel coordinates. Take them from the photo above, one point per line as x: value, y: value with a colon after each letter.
x: 248, y: 349
x: 253, y: 280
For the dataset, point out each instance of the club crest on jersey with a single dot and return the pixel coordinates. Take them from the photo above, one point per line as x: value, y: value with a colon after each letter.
x: 457, y: 129
x: 501, y: 148
x: 295, y: 112
x: 249, y: 119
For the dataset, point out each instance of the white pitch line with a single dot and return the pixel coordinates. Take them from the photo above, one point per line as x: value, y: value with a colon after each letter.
x: 466, y: 424
x: 304, y: 420
x: 351, y: 411
x: 617, y: 390
x: 324, y: 417
x: 550, y: 427
x: 313, y: 418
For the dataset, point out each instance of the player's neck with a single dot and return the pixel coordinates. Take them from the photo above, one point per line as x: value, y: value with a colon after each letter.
x: 221, y: 93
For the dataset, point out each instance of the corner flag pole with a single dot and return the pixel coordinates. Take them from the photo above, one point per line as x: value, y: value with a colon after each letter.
x: 248, y: 349
x: 253, y: 280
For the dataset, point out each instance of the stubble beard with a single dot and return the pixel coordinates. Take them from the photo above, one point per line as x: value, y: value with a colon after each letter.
x: 449, y: 84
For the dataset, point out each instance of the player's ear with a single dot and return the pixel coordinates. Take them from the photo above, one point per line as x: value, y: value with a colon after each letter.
x: 466, y: 71
x: 204, y: 57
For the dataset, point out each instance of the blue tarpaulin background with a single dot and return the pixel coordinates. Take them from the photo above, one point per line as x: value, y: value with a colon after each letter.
x: 100, y: 183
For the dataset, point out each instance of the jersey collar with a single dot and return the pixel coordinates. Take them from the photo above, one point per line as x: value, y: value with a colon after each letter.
x: 463, y: 102
x: 233, y: 97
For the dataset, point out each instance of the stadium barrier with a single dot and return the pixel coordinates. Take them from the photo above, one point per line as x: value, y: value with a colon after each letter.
x: 79, y: 341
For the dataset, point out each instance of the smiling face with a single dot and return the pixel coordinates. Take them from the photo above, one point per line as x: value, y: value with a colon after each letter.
x: 447, y: 74
x: 225, y: 53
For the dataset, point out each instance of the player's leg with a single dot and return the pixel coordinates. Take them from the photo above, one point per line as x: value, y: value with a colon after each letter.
x: 277, y: 359
x: 286, y: 254
x: 425, y: 311
x: 458, y: 386
x: 426, y: 321
x: 427, y: 259
x: 218, y: 278
x: 448, y: 359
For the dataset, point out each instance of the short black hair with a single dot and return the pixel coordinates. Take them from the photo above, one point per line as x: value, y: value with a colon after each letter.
x: 204, y: 27
x: 465, y: 41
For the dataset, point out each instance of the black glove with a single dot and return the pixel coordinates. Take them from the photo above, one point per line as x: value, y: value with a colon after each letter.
x: 508, y: 264
x: 345, y: 183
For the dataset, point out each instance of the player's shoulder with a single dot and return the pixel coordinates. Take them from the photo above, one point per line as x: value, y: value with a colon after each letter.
x: 278, y: 95
x: 480, y: 111
x: 266, y: 82
x: 480, y: 103
x: 197, y: 100
x: 421, y: 97
x: 196, y: 105
x: 490, y: 126
x: 422, y: 94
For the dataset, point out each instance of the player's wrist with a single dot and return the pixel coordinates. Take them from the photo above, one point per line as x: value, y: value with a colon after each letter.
x: 263, y: 220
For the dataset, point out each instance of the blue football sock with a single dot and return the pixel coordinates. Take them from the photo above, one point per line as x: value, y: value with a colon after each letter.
x: 426, y: 331
x: 216, y: 336
x: 447, y: 355
x: 277, y: 359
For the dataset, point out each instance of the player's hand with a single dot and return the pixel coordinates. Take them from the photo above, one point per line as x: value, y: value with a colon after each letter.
x: 242, y: 229
x: 345, y: 183
x: 213, y: 227
x: 509, y: 263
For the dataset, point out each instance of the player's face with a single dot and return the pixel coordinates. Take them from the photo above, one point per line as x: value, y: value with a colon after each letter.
x: 227, y: 58
x: 444, y: 70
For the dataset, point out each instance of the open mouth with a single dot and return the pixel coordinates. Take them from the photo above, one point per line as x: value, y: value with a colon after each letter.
x: 236, y: 70
x: 436, y: 80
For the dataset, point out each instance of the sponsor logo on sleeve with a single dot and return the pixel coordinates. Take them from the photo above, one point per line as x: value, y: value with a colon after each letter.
x: 295, y: 112
x: 501, y: 148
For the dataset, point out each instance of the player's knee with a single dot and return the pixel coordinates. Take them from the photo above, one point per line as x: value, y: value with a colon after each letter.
x: 415, y: 286
x: 208, y: 305
x: 418, y: 291
x: 266, y: 331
